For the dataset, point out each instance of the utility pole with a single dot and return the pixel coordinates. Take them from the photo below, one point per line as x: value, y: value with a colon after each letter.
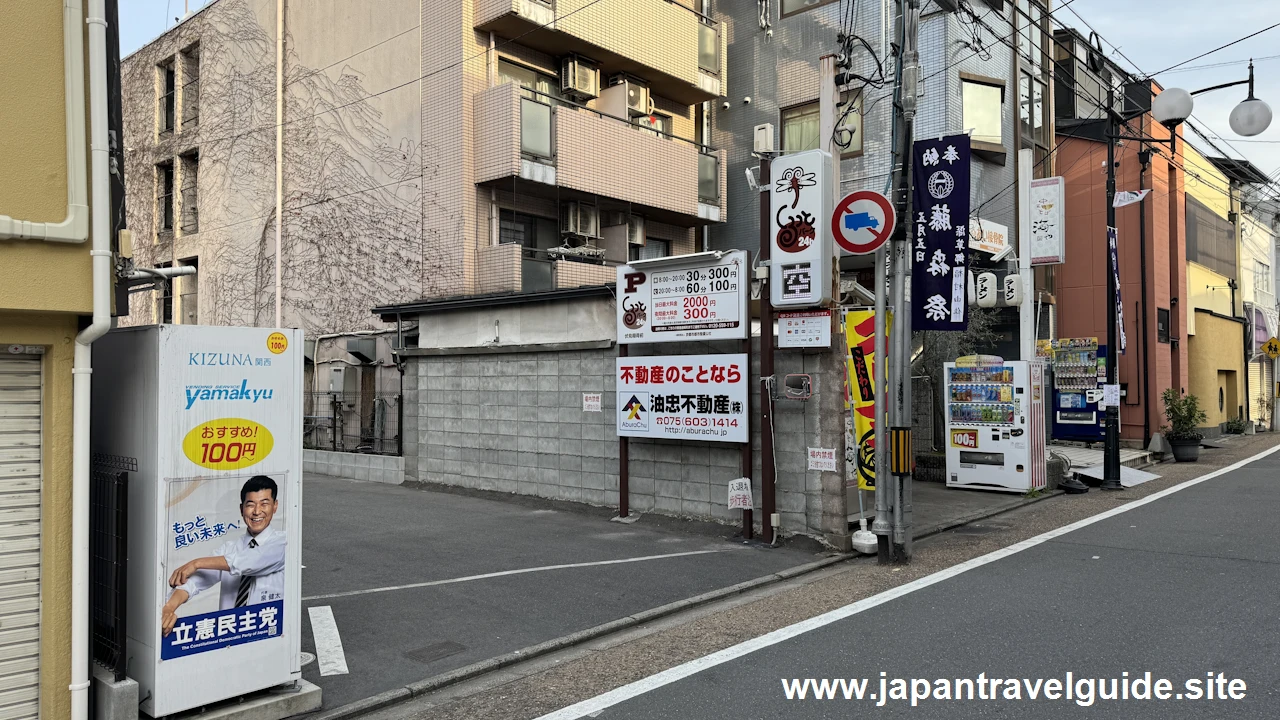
x: 767, y: 527
x: 900, y: 340
x: 1111, y: 455
x: 831, y: 412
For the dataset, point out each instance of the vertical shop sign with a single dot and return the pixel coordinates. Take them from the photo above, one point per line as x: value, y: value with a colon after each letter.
x: 1115, y: 274
x: 940, y: 243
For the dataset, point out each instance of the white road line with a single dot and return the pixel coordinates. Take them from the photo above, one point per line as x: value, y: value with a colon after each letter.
x: 333, y: 661
x: 653, y: 682
x: 521, y: 571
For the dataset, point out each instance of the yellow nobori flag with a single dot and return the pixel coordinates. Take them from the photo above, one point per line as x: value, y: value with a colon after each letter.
x: 861, y: 366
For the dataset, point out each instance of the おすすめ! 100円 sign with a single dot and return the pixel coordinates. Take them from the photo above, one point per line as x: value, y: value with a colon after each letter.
x: 683, y: 397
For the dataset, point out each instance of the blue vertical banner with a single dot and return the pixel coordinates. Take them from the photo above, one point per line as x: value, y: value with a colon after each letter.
x: 1115, y: 274
x: 940, y: 248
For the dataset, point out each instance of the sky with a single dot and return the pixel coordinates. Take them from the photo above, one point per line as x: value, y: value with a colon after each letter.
x: 1154, y: 34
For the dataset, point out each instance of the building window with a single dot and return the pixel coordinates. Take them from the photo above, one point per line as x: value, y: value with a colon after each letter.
x: 164, y: 197
x: 791, y: 7
x: 190, y: 168
x: 532, y: 232
x: 801, y: 126
x: 657, y: 124
x: 188, y: 291
x: 652, y: 248
x: 166, y: 99
x: 1261, y: 277
x: 1162, y: 325
x: 1031, y: 109
x: 191, y: 86
x: 1210, y: 239
x: 983, y: 106
x: 164, y: 303
x: 537, y: 85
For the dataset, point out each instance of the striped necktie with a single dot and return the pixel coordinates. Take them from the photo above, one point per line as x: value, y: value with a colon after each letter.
x: 246, y: 583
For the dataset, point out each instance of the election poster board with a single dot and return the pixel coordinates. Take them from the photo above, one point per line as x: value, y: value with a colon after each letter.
x: 210, y: 418
x: 703, y: 298
x: 683, y: 397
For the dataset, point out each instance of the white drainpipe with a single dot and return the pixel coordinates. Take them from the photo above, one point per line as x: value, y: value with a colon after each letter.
x: 81, y: 373
x: 75, y: 227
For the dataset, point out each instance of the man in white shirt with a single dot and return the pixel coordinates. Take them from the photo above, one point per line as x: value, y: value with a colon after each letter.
x: 250, y: 568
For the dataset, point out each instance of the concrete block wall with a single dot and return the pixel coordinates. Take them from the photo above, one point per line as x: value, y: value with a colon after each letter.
x: 358, y: 466
x: 514, y: 423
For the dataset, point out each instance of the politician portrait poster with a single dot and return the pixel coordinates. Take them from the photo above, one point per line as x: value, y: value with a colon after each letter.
x: 223, y: 564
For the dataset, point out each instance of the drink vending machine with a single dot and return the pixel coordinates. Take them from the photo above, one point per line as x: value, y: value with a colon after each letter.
x: 1079, y: 372
x: 995, y: 424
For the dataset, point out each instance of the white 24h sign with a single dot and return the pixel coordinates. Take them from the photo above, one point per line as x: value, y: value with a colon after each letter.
x: 683, y: 397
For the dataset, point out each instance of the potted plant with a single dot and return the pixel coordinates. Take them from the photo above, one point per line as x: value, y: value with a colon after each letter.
x: 1184, y: 415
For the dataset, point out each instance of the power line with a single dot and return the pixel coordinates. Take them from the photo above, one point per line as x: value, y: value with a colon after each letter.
x: 1221, y: 47
x: 1226, y: 63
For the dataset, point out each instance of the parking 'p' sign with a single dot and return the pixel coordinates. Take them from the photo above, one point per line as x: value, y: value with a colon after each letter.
x: 862, y: 221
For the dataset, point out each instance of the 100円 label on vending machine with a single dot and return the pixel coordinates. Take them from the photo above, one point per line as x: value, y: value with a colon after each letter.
x: 683, y: 397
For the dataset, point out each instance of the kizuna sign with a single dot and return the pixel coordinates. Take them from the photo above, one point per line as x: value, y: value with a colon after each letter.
x: 683, y: 397
x: 704, y: 298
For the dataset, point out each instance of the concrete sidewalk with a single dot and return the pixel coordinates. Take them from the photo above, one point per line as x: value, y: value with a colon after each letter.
x: 423, y: 582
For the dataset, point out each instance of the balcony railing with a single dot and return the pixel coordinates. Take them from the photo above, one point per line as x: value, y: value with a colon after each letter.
x: 191, y: 103
x: 708, y: 47
x: 672, y: 46
x: 708, y: 178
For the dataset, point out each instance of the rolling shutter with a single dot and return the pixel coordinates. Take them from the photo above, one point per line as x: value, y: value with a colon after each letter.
x: 20, y: 477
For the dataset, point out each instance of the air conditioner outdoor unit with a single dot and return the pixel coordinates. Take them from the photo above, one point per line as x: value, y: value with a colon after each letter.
x: 638, y: 100
x: 579, y: 78
x: 579, y: 220
x: 635, y: 230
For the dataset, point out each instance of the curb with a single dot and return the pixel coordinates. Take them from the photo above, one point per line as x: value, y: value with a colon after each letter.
x: 982, y: 515
x: 436, y: 682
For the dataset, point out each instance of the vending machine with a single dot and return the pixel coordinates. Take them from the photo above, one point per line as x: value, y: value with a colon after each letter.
x: 207, y: 421
x: 1079, y: 372
x: 995, y: 424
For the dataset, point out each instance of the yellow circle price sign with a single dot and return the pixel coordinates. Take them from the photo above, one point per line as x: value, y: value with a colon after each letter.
x: 277, y: 343
x: 227, y: 444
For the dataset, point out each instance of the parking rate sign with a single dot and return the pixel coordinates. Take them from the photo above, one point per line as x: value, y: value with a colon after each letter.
x: 862, y: 222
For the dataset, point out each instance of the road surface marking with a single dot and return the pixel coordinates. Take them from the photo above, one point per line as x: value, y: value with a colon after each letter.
x: 599, y: 703
x: 521, y: 571
x: 328, y: 642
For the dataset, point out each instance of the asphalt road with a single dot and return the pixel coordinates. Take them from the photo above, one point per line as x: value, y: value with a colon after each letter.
x: 360, y: 538
x: 1180, y: 587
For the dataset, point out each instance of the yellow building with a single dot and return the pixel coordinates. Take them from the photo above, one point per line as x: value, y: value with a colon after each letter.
x: 1214, y: 322
x: 52, y: 187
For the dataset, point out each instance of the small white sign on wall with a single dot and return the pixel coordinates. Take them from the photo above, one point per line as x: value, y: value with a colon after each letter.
x: 823, y: 459
x: 591, y: 402
x: 740, y: 494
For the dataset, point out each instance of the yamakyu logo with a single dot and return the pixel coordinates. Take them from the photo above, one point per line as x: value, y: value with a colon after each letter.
x: 200, y: 393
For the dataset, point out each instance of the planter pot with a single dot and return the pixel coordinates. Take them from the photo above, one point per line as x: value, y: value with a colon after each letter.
x: 1185, y: 450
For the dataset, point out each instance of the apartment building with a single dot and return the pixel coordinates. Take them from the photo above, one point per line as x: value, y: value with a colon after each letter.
x: 430, y: 149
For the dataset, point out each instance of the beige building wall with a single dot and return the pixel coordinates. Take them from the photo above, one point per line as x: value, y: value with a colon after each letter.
x: 44, y: 288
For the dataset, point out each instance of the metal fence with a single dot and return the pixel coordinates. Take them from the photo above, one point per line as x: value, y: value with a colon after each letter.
x: 109, y: 550
x: 353, y: 422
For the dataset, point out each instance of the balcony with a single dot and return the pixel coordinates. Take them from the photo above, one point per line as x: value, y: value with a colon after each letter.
x: 556, y: 144
x: 515, y: 268
x: 677, y: 50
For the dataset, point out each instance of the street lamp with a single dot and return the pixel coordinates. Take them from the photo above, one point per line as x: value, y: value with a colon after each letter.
x: 1170, y: 108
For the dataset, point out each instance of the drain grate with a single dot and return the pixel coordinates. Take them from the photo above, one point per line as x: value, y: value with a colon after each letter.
x: 432, y: 653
